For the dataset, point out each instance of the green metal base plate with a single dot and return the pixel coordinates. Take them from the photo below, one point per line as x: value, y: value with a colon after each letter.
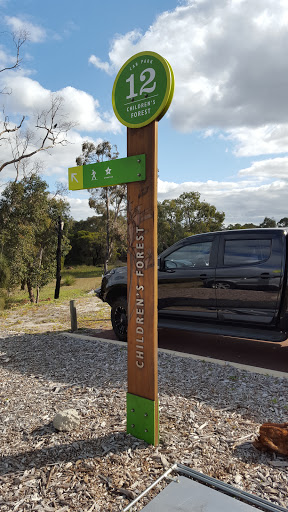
x: 141, y: 418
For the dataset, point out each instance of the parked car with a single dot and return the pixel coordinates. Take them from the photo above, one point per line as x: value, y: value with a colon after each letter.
x: 230, y: 282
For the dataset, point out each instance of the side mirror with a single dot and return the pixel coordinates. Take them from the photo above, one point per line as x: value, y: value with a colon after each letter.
x: 168, y: 266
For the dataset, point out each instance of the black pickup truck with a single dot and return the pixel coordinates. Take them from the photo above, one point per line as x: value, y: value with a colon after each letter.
x: 228, y: 282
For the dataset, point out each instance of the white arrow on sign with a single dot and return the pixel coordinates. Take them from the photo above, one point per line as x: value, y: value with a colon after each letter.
x: 73, y: 177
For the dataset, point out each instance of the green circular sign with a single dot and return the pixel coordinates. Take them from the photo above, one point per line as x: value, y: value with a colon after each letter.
x: 143, y: 89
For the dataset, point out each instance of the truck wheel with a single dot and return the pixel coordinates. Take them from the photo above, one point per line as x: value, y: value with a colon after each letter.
x: 119, y: 318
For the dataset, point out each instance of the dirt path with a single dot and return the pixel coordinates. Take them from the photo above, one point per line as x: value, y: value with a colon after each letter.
x: 91, y: 314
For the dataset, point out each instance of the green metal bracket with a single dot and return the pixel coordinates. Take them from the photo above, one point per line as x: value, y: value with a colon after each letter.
x: 141, y: 418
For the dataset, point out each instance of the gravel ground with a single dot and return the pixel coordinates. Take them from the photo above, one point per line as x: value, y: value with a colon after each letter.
x: 209, y: 416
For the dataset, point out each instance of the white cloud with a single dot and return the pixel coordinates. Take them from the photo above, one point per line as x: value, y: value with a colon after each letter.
x: 258, y: 191
x: 36, y: 34
x: 79, y: 208
x: 5, y: 58
x: 105, y: 66
x: 29, y: 98
x: 70, y: 27
x: 54, y: 163
x: 242, y: 202
x: 229, y: 60
x: 28, y: 95
x: 267, y: 169
x: 264, y: 140
x: 247, y: 199
x: 84, y: 109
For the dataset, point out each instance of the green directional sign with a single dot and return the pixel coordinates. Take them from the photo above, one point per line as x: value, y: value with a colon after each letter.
x: 105, y: 174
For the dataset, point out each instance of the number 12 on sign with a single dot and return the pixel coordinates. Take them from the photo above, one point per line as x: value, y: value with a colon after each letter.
x: 144, y: 88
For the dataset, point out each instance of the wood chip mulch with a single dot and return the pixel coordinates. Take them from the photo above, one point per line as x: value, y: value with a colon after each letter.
x: 209, y: 417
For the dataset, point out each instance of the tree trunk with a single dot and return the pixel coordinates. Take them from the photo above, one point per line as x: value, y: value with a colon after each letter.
x: 30, y: 291
x: 58, y: 260
x: 40, y: 263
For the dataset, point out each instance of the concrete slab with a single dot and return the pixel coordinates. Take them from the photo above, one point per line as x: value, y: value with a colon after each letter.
x: 190, y: 496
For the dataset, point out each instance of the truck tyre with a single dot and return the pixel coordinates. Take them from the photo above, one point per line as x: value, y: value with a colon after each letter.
x: 119, y: 318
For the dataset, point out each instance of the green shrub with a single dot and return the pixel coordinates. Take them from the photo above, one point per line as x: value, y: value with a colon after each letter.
x: 68, y: 280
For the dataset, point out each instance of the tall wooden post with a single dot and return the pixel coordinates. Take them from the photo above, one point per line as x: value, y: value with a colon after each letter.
x: 141, y: 95
x: 142, y: 396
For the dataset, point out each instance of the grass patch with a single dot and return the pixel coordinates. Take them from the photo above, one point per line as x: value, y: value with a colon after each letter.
x: 83, y: 279
x: 82, y: 271
x: 68, y: 280
x: 86, y: 271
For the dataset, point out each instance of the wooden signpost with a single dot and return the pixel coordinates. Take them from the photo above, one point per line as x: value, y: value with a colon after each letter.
x: 142, y: 285
x: 142, y: 93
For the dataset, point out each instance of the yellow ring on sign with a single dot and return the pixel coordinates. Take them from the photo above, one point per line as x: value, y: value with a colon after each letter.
x: 168, y: 95
x: 171, y: 91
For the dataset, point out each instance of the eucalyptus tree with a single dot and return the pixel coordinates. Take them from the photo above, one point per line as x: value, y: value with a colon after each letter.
x: 283, y: 223
x: 108, y: 202
x: 28, y: 223
x: 268, y: 223
x: 88, y: 243
x: 184, y: 216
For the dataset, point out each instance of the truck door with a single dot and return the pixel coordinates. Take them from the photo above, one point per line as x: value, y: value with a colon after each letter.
x: 249, y: 277
x: 186, y: 280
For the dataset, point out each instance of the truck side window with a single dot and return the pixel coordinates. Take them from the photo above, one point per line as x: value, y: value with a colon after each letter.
x: 192, y: 255
x: 243, y: 252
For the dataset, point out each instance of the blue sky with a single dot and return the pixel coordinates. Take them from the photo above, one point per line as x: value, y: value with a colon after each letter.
x: 226, y: 132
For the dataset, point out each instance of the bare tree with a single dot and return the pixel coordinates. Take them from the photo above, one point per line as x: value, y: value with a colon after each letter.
x: 19, y: 38
x: 23, y: 140
x: 51, y: 130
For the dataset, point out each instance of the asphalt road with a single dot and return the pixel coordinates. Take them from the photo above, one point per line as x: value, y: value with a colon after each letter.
x: 262, y: 354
